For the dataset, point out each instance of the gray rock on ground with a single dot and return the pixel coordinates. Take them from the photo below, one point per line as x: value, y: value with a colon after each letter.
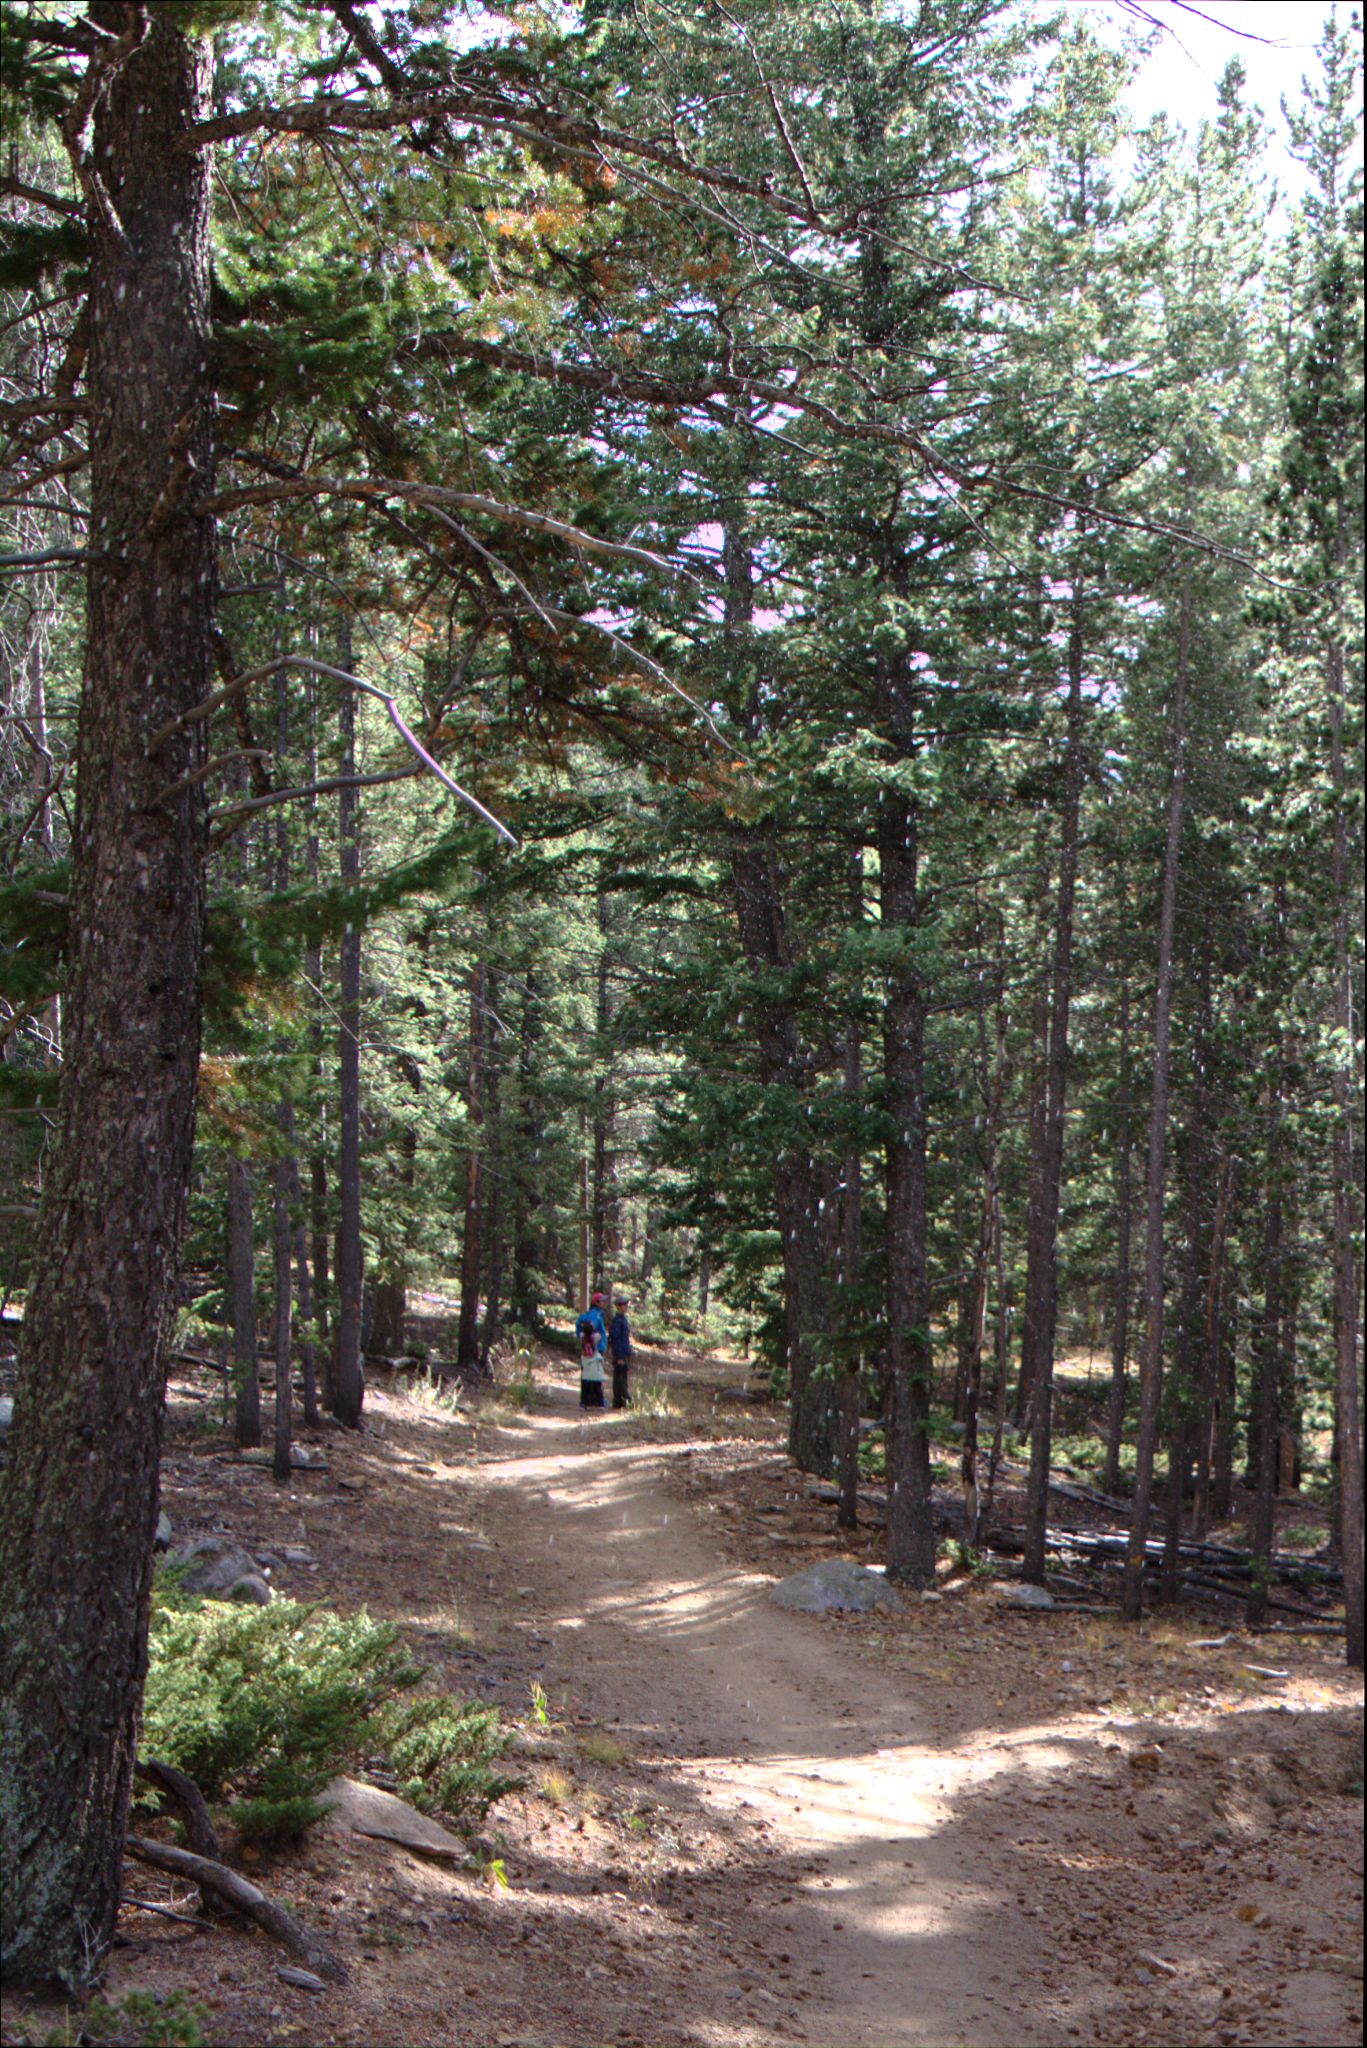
x: 1028, y: 1596
x: 366, y: 1810
x: 836, y: 1584
x: 219, y: 1570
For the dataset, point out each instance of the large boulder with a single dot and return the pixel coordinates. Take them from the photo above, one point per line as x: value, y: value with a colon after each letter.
x: 219, y: 1570
x: 836, y: 1584
x: 367, y: 1810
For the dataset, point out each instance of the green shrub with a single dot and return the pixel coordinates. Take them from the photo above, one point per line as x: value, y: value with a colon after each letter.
x: 444, y: 1752
x: 141, y: 2019
x: 264, y: 1705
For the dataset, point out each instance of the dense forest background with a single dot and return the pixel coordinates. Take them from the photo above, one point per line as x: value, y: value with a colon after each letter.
x: 774, y: 719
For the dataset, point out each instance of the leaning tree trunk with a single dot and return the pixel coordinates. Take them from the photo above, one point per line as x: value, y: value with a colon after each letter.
x: 80, y: 1499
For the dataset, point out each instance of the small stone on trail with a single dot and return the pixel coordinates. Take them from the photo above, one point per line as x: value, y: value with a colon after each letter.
x: 836, y: 1584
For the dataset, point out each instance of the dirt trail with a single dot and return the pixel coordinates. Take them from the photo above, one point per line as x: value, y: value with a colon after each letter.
x: 892, y: 1903
x: 937, y: 1835
x: 740, y: 1827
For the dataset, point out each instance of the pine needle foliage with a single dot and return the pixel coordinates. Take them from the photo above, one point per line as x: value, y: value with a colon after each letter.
x: 263, y: 1706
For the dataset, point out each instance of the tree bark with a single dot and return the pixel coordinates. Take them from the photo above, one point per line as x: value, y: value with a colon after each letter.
x: 1120, y: 1338
x: 911, y: 1532
x: 495, y: 1178
x: 852, y: 1238
x: 242, y: 1305
x: 348, y: 1390
x: 471, y: 1259
x: 80, y: 1499
x: 605, y: 1236
x: 526, y: 1304
x: 1347, y: 1221
x: 283, y: 1233
x: 1151, y: 1367
x: 759, y: 917
x: 1044, y: 1239
x: 1263, y: 1421
x: 1212, y: 1387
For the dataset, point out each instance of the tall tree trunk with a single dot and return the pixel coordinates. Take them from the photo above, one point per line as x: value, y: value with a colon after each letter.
x: 759, y: 917
x: 1347, y: 1221
x: 348, y: 1390
x: 1184, y: 1391
x: 1044, y: 1240
x: 852, y: 1238
x: 303, y: 1281
x: 1124, y: 1204
x: 242, y: 1305
x: 1151, y: 1366
x: 1212, y: 1390
x: 1002, y: 1359
x: 317, y: 1229
x: 286, y: 1170
x: 758, y: 896
x: 527, y: 1171
x: 604, y: 1201
x: 493, y: 1222
x: 1263, y: 1421
x: 1227, y: 1369
x: 911, y: 1529
x: 471, y: 1260
x: 79, y: 1504
x: 992, y: 1087
x: 1035, y: 1202
x: 283, y: 1178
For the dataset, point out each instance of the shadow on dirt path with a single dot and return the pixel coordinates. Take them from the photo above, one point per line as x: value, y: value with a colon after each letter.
x: 761, y: 1716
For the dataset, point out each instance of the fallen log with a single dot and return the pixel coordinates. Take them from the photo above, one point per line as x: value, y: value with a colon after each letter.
x: 234, y: 1890
x: 1217, y: 1557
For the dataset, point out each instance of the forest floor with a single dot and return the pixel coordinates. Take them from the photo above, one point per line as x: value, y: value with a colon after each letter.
x: 738, y: 1825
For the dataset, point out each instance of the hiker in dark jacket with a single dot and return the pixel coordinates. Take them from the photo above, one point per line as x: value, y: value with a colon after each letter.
x: 619, y: 1348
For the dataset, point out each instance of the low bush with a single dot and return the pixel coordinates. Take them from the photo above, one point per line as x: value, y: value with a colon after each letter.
x: 262, y: 1706
x: 141, y: 2019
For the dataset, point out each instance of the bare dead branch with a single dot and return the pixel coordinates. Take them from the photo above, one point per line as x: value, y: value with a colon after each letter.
x: 216, y: 1879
